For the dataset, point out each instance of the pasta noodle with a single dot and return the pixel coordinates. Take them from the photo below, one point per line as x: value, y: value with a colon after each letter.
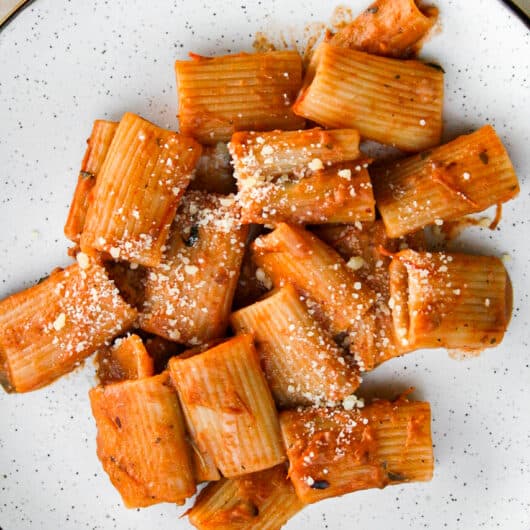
x: 454, y: 301
x: 338, y: 194
x: 189, y: 295
x: 225, y: 397
x: 301, y: 176
x: 126, y: 359
x: 388, y: 27
x: 390, y: 101
x: 265, y: 500
x: 221, y: 95
x: 138, y: 190
x: 300, y: 360
x: 98, y: 146
x: 333, y: 451
x: 47, y: 330
x: 272, y: 154
x: 141, y: 441
x: 464, y: 176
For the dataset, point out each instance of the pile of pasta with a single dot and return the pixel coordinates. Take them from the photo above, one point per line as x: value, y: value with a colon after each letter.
x: 238, y: 277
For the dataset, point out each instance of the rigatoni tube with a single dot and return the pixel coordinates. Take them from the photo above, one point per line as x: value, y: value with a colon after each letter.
x: 45, y: 331
x: 341, y: 193
x: 265, y: 500
x: 227, y: 400
x: 188, y: 296
x: 390, y: 101
x: 221, y: 95
x: 466, y: 175
x: 265, y: 155
x: 455, y: 301
x: 302, y: 363
x: 141, y: 441
x: 137, y: 192
x: 98, y: 145
x: 388, y: 27
x: 126, y: 359
x: 333, y: 451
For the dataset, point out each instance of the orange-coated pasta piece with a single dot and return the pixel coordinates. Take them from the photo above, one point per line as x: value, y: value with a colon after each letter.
x: 341, y: 193
x: 47, y: 330
x: 188, y: 297
x: 391, y: 101
x: 265, y: 500
x: 226, y: 398
x: 302, y: 363
x: 466, y: 175
x: 264, y: 155
x: 126, y: 359
x: 221, y: 95
x: 456, y: 301
x: 98, y: 145
x: 333, y: 451
x: 388, y: 27
x: 141, y: 441
x: 139, y: 186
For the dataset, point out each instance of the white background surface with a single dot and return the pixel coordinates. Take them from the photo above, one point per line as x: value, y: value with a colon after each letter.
x: 65, y: 63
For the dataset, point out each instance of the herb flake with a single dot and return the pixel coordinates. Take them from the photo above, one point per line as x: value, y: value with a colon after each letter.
x: 320, y: 485
x: 193, y: 237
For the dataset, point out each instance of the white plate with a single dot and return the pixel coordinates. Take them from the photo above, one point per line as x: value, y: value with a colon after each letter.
x: 63, y: 64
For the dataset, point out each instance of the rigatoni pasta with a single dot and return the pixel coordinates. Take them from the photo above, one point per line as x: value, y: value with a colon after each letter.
x: 302, y: 363
x: 126, y: 359
x: 143, y: 177
x: 141, y: 441
x: 98, y: 145
x: 228, y: 402
x: 221, y: 95
x: 204, y: 468
x: 187, y: 298
x: 333, y: 451
x: 388, y: 27
x: 341, y: 193
x: 454, y: 301
x: 390, y: 101
x: 466, y: 175
x: 47, y: 330
x: 265, y: 155
x: 301, y: 177
x: 265, y: 500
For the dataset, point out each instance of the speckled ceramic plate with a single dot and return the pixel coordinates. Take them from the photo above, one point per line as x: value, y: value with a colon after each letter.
x: 63, y: 64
